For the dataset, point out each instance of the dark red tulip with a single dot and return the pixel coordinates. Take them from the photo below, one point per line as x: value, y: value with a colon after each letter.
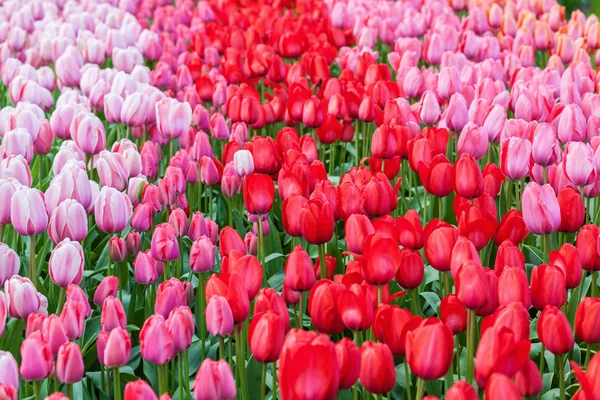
x: 453, y: 313
x: 411, y: 270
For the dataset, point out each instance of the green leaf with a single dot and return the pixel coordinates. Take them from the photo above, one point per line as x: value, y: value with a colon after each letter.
x: 533, y: 255
x: 276, y: 281
x: 432, y: 299
x: 12, y: 338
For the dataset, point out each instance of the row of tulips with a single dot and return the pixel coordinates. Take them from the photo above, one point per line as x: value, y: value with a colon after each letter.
x: 304, y: 200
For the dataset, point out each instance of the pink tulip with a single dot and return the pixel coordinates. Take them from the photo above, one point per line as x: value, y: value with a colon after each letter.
x: 9, y: 263
x: 214, y: 381
x: 156, y: 344
x: 172, y: 117
x: 430, y: 111
x: 69, y: 363
x: 114, y: 348
x: 67, y: 71
x: 219, y: 318
x: 113, y: 169
x: 181, y: 326
x: 108, y: 287
x: 541, y: 210
x: 514, y: 157
x: 139, y: 389
x: 73, y: 317
x: 135, y: 110
x: 77, y: 294
x: 170, y: 295
x: 10, y: 370
x: 113, y: 107
x: 209, y: 175
x: 88, y: 133
x: 37, y: 361
x: 571, y: 124
x: 164, y: 244
x: 66, y: 263
x: 7, y: 190
x: 117, y: 249
x: 113, y: 314
x: 473, y: 140
x: 16, y: 167
x: 68, y: 221
x: 579, y: 163
x: 145, y: 269
x: 202, y: 255
x: 112, y: 210
x: 545, y: 148
x: 28, y: 212
x: 54, y: 333
x: 18, y: 142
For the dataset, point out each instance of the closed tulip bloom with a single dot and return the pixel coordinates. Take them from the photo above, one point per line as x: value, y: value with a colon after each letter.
x: 431, y: 340
x: 156, y: 345
x: 21, y: 297
x: 243, y: 162
x: 430, y: 111
x: 9, y: 263
x: 87, y: 131
x: 545, y: 148
x: 219, y: 318
x: 501, y: 387
x: 16, y: 167
x: 135, y: 109
x: 3, y: 312
x: 259, y: 192
x: 381, y: 257
x: 439, y: 247
x: 69, y: 363
x: 464, y: 251
x: 587, y: 320
x: 528, y: 380
x: 473, y: 140
x: 377, y: 371
x: 108, y: 287
x: 512, y: 227
x: 172, y: 117
x: 411, y: 270
x: 214, y: 381
x: 170, y: 295
x: 453, y: 313
x: 567, y: 258
x: 515, y: 153
x: 323, y: 306
x: 357, y: 228
x: 316, y: 221
x: 145, y: 269
x: 73, y: 319
x: 202, y: 255
x: 579, y: 164
x: 230, y: 240
x: 112, y: 210
x: 437, y: 176
x: 113, y: 314
x: 164, y: 243
x: 513, y: 286
x: 139, y: 390
x: 541, y: 210
x: 410, y: 230
x: 28, y: 213
x: 114, y: 347
x: 36, y: 359
x: 348, y: 360
x: 68, y: 220
x: 572, y: 210
x: 290, y: 214
x: 209, y: 175
x: 571, y: 124
x: 468, y: 180
x: 18, y: 142
x: 500, y: 350
x: 266, y: 336
x: 461, y: 390
x: 299, y: 272
x: 181, y: 327
x: 548, y: 286
x: 554, y: 330
x: 77, y: 294
x: 66, y: 263
x: 355, y: 306
x: 308, y: 348
x: 10, y: 370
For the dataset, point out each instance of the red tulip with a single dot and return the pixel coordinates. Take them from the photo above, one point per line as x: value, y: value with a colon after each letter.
x: 299, y: 270
x: 512, y: 227
x: 572, y: 210
x: 389, y: 327
x: 508, y: 255
x: 528, y: 380
x: 308, y: 348
x: 468, y: 180
x: 437, y: 176
x: 381, y: 257
x: 230, y: 240
x: 501, y: 387
x: 330, y: 264
x: 432, y: 340
x: 554, y: 331
x: 587, y: 320
x: 567, y: 258
x: 269, y: 300
x: 266, y: 335
x: 411, y: 270
x: 259, y: 193
x: 548, y: 286
x: 290, y: 214
x: 323, y: 306
x: 586, y: 245
x: 463, y: 251
x: 316, y: 221
x: 355, y: 307
x: 357, y: 229
x: 348, y: 359
x: 410, y: 230
x: 461, y: 390
x: 377, y: 370
x: 439, y: 245
x: 453, y: 313
x: 513, y: 286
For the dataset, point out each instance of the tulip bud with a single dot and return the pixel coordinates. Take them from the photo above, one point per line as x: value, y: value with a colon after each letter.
x: 156, y: 344
x: 69, y: 363
x: 108, y: 287
x: 214, y: 381
x: 37, y: 360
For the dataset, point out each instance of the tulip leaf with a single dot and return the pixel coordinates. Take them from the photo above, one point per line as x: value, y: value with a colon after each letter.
x: 433, y: 300
x: 150, y: 372
x: 12, y: 338
x: 550, y: 394
x: 533, y: 255
x: 276, y: 281
x: 253, y: 378
x: 273, y: 256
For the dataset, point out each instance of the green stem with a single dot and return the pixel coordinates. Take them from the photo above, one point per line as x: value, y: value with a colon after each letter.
x: 263, y: 381
x: 261, y: 254
x: 61, y: 300
x: 588, y: 354
x: 200, y: 314
x: 36, y: 389
x: 180, y: 368
x: 379, y: 295
x: 594, y: 283
x: 357, y: 143
x: 301, y: 317
x: 274, y: 380
x: 407, y: 380
x: 447, y: 289
x: 103, y: 379
x: 322, y: 261
x: 70, y: 391
x: 457, y: 341
x: 548, y: 246
x: 117, y: 376
x: 424, y: 205
x: 161, y: 379
x: 542, y: 359
x: 32, y: 264
x: 420, y: 388
x: 561, y: 375
x: 415, y: 301
x: 222, y: 347
x: 241, y: 362
x: 471, y: 322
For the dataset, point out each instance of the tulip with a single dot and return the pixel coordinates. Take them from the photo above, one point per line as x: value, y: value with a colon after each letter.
x: 243, y: 162
x: 230, y: 240
x: 76, y: 294
x: 181, y: 327
x: 431, y: 337
x: 170, y: 295
x: 219, y: 318
x: 586, y: 320
x: 28, y: 213
x: 69, y: 363
x: 202, y: 255
x: 541, y: 210
x: 568, y: 259
x: 554, y: 330
x: 299, y: 271
x: 37, y: 361
x: 579, y: 164
x: 514, y: 157
x: 172, y: 117
x: 164, y: 244
x: 499, y: 386
x: 528, y: 380
x: 16, y: 167
x: 470, y: 284
x: 259, y: 192
x: 139, y: 390
x: 381, y: 256
x: 429, y: 112
x: 3, y: 312
x: 453, y: 313
x: 113, y: 315
x: 87, y: 131
x: 112, y: 210
x: 9, y: 263
x: 145, y: 269
x: 473, y: 140
x: 468, y: 180
x: 10, y: 370
x: 73, y: 319
x: 355, y: 307
x: 572, y: 210
x: 308, y: 348
x: 437, y: 176
x: 266, y: 336
x: 323, y: 306
x: 545, y: 147
x: 512, y: 227
x: 108, y: 287
x: 461, y: 390
x: 114, y: 348
x: 377, y: 371
x: 357, y: 228
x: 214, y: 381
x: 21, y: 297
x: 316, y: 221
x: 548, y: 286
x: 66, y: 263
x: 410, y: 230
x: 68, y: 220
x: 156, y: 345
x: 439, y: 246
